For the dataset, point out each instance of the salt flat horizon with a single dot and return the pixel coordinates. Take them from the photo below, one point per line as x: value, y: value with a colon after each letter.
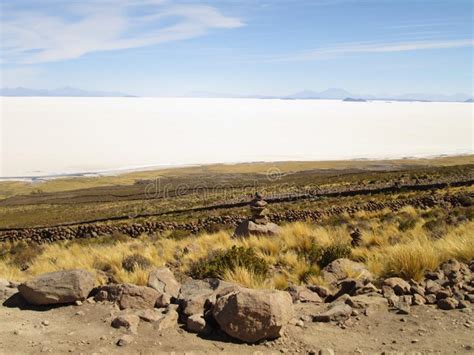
x: 55, y: 137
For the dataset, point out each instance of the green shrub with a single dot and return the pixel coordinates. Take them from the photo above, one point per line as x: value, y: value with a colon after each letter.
x: 131, y: 262
x: 436, y: 227
x: 216, y: 264
x: 313, y: 255
x: 333, y: 252
x: 406, y: 223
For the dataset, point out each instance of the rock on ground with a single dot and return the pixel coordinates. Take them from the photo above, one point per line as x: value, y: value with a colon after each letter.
x: 338, y: 312
x: 338, y: 270
x: 196, y: 323
x: 57, y: 287
x: 195, y: 293
x: 137, y: 297
x: 163, y: 281
x: 127, y: 321
x: 248, y: 227
x: 253, y: 315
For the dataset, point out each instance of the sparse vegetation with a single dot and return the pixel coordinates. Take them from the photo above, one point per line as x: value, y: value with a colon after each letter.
x: 404, y: 241
x: 234, y: 261
x: 296, y: 256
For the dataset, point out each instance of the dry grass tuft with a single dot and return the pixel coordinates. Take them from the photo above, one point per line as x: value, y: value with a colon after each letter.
x: 296, y: 256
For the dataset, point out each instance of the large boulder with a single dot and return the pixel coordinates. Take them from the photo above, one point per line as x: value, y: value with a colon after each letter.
x: 343, y: 268
x: 248, y: 227
x: 163, y: 280
x: 253, y: 315
x: 137, y: 297
x: 195, y: 293
x: 58, y: 287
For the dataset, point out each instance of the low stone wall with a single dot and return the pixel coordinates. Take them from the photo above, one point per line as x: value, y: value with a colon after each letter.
x: 95, y: 230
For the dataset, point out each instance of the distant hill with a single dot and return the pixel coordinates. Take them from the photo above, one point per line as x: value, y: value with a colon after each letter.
x: 341, y: 94
x: 469, y: 100
x: 351, y: 99
x: 66, y: 91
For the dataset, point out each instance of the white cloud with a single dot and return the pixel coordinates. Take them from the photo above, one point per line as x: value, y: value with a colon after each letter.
x: 371, y: 47
x: 68, y: 30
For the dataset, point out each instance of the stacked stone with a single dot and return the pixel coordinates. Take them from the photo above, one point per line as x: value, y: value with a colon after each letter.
x: 258, y: 223
x: 258, y: 210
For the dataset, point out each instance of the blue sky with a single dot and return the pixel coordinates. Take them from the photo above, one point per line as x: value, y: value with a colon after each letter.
x: 160, y: 47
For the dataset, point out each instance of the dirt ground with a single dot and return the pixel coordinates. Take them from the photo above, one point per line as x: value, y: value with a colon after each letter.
x: 85, y: 329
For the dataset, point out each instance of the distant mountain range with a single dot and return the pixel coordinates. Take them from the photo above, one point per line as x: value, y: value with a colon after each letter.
x: 341, y: 94
x: 66, y: 91
x: 335, y: 93
x: 329, y: 94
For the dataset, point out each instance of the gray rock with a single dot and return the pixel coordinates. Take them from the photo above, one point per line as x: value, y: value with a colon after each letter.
x: 402, y: 307
x: 371, y: 302
x: 127, y: 321
x: 322, y: 291
x: 163, y: 300
x: 167, y: 321
x: 338, y: 270
x: 430, y: 299
x: 417, y: 289
x: 399, y: 286
x: 248, y: 227
x: 432, y: 287
x: 150, y: 315
x: 196, y: 293
x: 418, y: 299
x: 163, y: 281
x: 339, y: 312
x: 443, y: 293
x: 303, y: 294
x: 450, y: 266
x: 253, y: 315
x: 196, y: 324
x: 137, y: 297
x: 447, y: 303
x: 125, y: 339
x: 58, y: 287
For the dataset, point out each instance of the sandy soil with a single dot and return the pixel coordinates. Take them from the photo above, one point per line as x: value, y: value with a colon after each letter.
x: 85, y: 329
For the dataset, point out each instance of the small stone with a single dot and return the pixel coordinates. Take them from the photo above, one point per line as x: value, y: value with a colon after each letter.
x: 45, y: 323
x: 127, y: 321
x: 196, y: 323
x: 337, y: 313
x: 418, y: 299
x: 444, y: 293
x: 430, y: 299
x: 447, y: 303
x: 326, y: 351
x: 402, y: 307
x: 125, y: 339
x: 78, y: 303
x: 414, y: 341
x: 79, y: 313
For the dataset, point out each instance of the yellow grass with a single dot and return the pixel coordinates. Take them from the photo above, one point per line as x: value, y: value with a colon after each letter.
x: 246, y: 278
x: 384, y: 249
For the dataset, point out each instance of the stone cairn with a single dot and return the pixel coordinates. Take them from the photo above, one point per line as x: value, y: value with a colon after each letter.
x: 258, y: 223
